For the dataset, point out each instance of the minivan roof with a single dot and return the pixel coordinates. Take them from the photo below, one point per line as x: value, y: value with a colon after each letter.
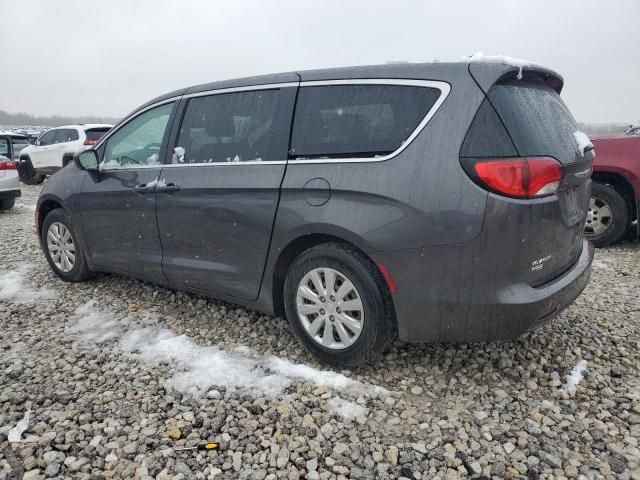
x: 485, y: 74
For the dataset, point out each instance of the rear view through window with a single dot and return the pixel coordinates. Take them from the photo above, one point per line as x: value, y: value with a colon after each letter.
x: 537, y: 119
x: 357, y: 120
x: 94, y: 134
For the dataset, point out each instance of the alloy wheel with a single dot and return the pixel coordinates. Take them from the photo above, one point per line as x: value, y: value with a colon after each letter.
x: 61, y: 247
x: 330, y: 308
x: 599, y: 217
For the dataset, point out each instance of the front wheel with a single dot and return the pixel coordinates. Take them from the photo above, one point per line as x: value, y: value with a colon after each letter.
x: 338, y: 305
x: 62, y: 249
x: 608, y: 216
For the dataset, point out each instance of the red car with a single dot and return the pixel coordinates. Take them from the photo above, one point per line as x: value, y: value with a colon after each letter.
x: 615, y: 198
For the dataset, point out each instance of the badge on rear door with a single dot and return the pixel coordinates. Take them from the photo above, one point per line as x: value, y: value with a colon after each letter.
x: 538, y: 264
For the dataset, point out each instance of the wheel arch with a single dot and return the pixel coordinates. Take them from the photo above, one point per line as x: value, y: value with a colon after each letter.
x: 47, y: 205
x: 619, y: 183
x: 290, y: 252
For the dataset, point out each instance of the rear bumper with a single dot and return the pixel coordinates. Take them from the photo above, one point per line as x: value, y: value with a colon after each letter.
x: 442, y: 298
x: 8, y: 194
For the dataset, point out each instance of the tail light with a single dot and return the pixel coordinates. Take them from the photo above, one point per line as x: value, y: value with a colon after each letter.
x: 90, y: 142
x: 522, y: 177
x: 8, y: 165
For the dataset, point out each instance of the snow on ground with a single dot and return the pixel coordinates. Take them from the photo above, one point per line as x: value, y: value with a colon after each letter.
x: 197, y: 369
x: 504, y: 59
x: 346, y: 408
x: 13, y: 287
x: 576, y: 375
x: 15, y: 434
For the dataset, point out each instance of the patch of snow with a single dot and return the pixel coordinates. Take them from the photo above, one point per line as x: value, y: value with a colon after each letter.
x: 96, y: 326
x: 22, y: 206
x: 15, y: 434
x: 503, y: 59
x: 110, y: 164
x: 575, y: 376
x: 178, y: 155
x: 583, y: 142
x: 12, y: 287
x: 601, y: 264
x: 198, y: 370
x: 346, y: 408
x: 322, y: 378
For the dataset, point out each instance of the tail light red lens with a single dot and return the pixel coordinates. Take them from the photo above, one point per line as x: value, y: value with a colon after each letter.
x: 90, y: 142
x: 8, y: 165
x: 526, y: 177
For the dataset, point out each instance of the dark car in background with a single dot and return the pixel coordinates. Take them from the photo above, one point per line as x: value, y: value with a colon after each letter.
x: 439, y: 202
x: 15, y: 144
x: 615, y: 200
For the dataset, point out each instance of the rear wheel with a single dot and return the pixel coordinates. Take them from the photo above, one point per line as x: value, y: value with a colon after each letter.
x: 37, y: 179
x: 608, y: 216
x: 64, y: 253
x: 7, y: 203
x: 338, y: 305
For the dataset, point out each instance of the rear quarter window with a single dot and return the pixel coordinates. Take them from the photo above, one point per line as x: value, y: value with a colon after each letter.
x: 339, y: 121
x: 537, y: 119
x: 96, y: 134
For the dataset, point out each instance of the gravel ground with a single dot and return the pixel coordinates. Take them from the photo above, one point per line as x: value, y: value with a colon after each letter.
x: 102, y: 405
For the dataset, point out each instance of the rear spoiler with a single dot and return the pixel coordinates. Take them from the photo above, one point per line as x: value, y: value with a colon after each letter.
x: 488, y: 74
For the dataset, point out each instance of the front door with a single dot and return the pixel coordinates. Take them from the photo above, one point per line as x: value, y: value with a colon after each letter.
x: 219, y: 196
x: 38, y: 154
x: 118, y: 202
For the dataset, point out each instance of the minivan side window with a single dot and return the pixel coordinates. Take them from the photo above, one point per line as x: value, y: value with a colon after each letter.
x: 338, y: 121
x: 233, y: 127
x: 138, y: 141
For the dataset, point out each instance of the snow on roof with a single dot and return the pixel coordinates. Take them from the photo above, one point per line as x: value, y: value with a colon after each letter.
x: 583, y: 142
x: 504, y: 59
x: 12, y: 134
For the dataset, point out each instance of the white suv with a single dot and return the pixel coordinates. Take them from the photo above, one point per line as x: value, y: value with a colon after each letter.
x: 55, y: 148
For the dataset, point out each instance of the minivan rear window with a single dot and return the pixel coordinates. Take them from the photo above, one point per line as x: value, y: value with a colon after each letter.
x: 537, y: 119
x: 337, y: 121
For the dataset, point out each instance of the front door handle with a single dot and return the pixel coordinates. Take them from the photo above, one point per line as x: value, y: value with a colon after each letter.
x: 168, y: 188
x: 143, y: 188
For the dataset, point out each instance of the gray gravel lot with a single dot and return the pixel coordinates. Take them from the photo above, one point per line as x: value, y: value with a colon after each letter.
x: 102, y: 405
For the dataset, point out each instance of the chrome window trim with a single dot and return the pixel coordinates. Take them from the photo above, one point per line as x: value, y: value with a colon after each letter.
x: 444, y: 88
x: 249, y: 88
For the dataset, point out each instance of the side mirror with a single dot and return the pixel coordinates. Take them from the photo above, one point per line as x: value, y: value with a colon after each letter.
x: 87, y: 160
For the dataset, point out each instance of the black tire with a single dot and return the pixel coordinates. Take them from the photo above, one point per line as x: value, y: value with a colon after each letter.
x: 27, y: 173
x: 617, y: 224
x: 80, y: 270
x: 7, y: 203
x: 379, y: 326
x: 36, y: 179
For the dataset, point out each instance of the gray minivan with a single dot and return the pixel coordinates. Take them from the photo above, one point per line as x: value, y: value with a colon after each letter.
x: 437, y: 202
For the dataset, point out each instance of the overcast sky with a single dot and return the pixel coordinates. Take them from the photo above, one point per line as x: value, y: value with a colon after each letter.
x: 77, y: 57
